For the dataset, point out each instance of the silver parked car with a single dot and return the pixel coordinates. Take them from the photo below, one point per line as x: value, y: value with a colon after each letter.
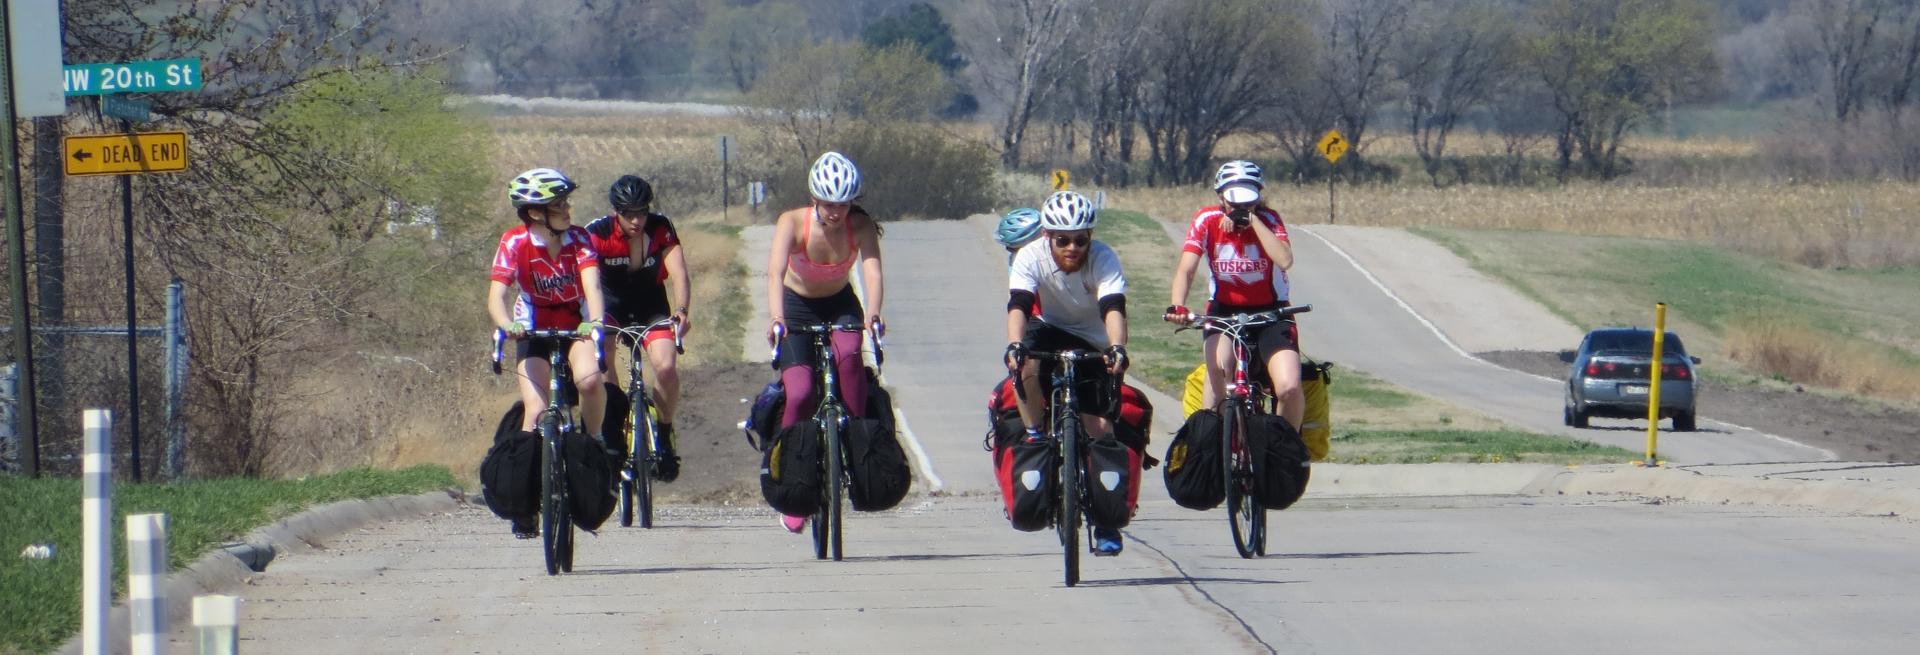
x: 1612, y: 373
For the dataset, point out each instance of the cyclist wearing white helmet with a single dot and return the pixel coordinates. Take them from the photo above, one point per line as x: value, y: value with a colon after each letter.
x: 1079, y: 282
x: 1248, y: 252
x: 810, y: 280
x: 551, y: 262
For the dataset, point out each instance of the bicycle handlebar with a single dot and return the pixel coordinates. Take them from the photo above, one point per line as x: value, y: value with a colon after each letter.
x: 1238, y: 322
x: 639, y: 334
x: 500, y: 339
x: 781, y: 329
x: 1068, y: 357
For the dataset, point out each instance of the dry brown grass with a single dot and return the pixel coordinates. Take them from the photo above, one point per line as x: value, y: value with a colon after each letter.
x: 1812, y: 357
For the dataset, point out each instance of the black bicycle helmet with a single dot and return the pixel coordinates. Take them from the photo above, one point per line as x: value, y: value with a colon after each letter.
x: 630, y: 194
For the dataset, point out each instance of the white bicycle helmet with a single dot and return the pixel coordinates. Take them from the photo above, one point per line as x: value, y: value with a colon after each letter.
x: 1244, y: 179
x: 833, y: 178
x: 1066, y: 211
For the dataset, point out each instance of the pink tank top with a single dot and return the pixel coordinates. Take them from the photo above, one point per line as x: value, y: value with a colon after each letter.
x: 816, y: 273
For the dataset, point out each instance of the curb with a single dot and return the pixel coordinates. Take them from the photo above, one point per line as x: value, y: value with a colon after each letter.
x: 223, y: 569
x: 1843, y: 496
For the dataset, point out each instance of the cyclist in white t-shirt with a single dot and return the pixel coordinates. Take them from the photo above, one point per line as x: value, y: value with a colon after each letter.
x: 1079, y: 282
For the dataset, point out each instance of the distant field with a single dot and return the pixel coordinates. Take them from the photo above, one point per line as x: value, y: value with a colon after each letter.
x: 1855, y: 330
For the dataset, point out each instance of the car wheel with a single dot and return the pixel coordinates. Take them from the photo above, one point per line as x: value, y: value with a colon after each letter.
x: 1566, y: 415
x: 1683, y: 422
x: 1576, y: 418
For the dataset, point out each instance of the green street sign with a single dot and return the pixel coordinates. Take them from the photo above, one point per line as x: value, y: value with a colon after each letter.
x: 133, y: 77
x: 126, y: 108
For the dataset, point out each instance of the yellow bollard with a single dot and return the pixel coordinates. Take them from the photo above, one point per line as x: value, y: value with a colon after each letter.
x: 1653, y: 387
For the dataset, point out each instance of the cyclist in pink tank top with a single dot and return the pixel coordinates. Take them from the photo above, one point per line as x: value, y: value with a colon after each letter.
x: 801, y: 288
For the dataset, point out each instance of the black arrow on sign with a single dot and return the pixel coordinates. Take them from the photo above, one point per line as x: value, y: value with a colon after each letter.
x: 81, y: 155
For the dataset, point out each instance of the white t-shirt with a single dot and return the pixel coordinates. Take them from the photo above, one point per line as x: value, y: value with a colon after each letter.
x: 1069, y: 301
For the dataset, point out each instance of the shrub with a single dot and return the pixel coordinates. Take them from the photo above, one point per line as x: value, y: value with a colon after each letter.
x: 906, y: 171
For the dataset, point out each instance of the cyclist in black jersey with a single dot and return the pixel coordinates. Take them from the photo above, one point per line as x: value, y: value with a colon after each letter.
x: 640, y: 254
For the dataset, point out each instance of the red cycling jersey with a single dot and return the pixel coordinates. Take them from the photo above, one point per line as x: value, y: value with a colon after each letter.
x: 551, y: 296
x: 1243, y: 276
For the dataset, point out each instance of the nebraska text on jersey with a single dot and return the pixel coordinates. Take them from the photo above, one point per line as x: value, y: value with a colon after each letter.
x: 1243, y: 275
x: 550, y: 293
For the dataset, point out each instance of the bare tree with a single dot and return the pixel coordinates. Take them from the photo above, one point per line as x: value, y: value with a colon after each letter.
x: 1848, y: 40
x: 1017, y: 50
x: 1454, y: 58
x: 1360, y: 34
x: 1114, y: 71
x: 1212, y: 66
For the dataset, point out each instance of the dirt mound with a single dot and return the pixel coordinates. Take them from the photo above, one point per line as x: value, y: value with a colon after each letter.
x: 717, y: 465
x: 1853, y: 430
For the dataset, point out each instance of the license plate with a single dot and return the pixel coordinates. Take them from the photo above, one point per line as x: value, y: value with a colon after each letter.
x: 1633, y: 389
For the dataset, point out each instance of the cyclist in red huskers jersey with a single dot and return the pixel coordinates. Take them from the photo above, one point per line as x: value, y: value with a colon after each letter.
x: 639, y: 254
x: 552, y: 264
x: 1248, y: 252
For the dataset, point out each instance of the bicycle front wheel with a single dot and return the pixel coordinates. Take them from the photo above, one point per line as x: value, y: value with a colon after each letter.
x: 1243, y: 510
x: 1069, y: 524
x: 836, y: 484
x: 640, y: 458
x: 553, y: 496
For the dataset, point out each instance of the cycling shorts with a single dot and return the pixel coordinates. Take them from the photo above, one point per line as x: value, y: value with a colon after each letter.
x: 1264, y: 340
x: 640, y: 309
x: 1094, y: 389
x: 843, y: 307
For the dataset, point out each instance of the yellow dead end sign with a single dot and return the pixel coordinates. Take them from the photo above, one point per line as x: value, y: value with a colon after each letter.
x: 122, y: 154
x: 1332, y: 146
x: 1060, y: 179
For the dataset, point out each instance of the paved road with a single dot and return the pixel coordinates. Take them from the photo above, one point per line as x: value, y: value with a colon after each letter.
x: 1346, y: 574
x: 1358, y: 323
x: 1466, y: 575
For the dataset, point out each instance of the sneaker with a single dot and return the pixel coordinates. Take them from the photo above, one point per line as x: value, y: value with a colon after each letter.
x: 1034, y: 435
x: 793, y: 524
x: 1106, y: 542
x: 666, y: 465
x: 527, y: 528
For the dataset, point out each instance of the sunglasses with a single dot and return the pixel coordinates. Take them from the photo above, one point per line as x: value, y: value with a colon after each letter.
x: 635, y: 214
x: 1080, y: 241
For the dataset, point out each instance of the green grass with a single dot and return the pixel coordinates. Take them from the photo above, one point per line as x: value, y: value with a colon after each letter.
x: 1160, y: 357
x: 1710, y: 292
x: 41, y: 598
x: 1474, y: 446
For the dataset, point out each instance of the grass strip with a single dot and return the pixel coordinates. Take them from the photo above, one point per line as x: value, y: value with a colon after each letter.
x: 40, y: 598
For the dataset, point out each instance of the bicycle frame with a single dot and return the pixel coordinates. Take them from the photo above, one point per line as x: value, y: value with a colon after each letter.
x: 831, y: 414
x: 555, y: 421
x: 636, y: 481
x: 1063, y: 417
x: 1243, y: 400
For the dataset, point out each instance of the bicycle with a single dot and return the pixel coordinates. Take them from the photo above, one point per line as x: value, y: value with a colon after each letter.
x: 1072, y: 440
x: 636, y: 474
x: 555, y: 422
x: 1245, y: 516
x: 831, y: 415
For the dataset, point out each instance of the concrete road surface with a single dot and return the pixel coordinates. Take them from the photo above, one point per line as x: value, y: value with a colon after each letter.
x: 1470, y: 575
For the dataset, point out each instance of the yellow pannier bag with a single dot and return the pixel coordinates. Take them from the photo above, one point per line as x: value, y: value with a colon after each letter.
x: 1317, y: 430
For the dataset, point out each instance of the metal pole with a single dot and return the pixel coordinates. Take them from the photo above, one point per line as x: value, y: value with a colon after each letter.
x: 133, y: 341
x: 16, y: 235
x: 96, y: 512
x: 217, y: 619
x: 1330, y: 194
x: 723, y: 178
x: 146, y: 573
x: 1653, y: 387
x: 174, y: 336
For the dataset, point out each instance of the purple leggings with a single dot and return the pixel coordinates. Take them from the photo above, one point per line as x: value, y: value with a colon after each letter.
x: 848, y: 366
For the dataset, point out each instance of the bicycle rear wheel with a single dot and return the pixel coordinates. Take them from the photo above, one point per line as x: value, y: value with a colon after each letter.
x: 1069, y: 525
x: 836, y: 484
x: 636, y: 485
x: 1243, y: 509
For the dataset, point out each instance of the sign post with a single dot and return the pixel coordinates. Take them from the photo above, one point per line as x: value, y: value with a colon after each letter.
x: 723, y: 176
x: 1331, y: 146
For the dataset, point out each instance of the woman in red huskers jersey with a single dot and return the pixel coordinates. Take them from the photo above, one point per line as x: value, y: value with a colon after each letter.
x: 551, y: 262
x: 1248, y: 254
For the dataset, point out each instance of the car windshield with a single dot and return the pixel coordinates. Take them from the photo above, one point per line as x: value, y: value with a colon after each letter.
x: 1640, y: 341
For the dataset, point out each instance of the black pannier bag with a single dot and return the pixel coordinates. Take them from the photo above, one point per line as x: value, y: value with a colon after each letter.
x: 1193, y: 471
x: 790, y: 470
x: 1028, y: 475
x: 589, y: 481
x: 1113, y: 483
x: 510, y: 473
x: 877, y: 465
x: 1281, y: 463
